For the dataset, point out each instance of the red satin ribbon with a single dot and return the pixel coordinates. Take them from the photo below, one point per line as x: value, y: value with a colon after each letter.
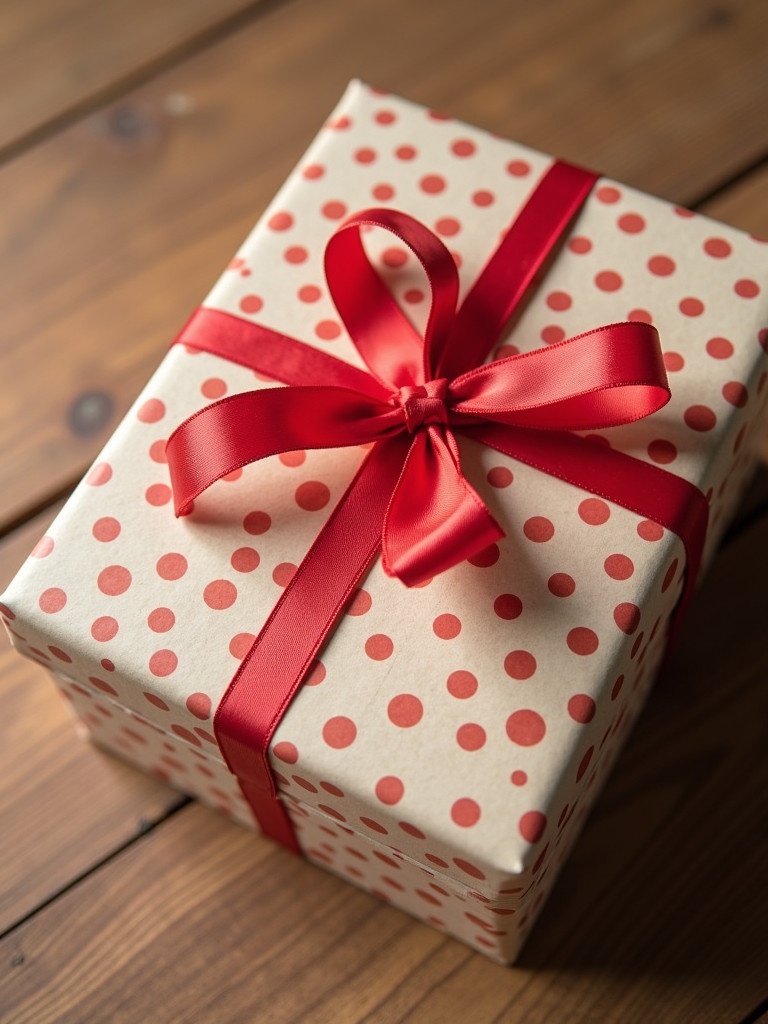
x: 409, y: 495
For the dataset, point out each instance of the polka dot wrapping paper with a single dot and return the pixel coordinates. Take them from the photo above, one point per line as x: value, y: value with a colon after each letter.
x: 449, y: 741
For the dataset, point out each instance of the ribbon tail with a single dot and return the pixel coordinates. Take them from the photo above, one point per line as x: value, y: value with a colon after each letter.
x: 435, y: 518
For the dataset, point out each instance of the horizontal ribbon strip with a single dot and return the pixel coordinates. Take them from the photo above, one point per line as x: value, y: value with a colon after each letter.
x: 409, y: 496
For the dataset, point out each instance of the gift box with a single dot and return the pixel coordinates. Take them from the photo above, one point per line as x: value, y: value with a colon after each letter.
x: 438, y: 743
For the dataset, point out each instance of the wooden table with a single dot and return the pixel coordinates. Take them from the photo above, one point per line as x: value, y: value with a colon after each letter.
x: 139, y: 140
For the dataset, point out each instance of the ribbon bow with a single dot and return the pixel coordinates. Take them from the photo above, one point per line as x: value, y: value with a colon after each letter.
x: 417, y: 387
x: 409, y: 496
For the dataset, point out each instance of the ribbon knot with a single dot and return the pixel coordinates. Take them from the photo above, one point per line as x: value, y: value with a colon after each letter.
x: 423, y: 404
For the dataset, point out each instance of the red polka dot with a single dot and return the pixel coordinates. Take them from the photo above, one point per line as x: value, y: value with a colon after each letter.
x: 286, y: 752
x: 413, y: 295
x: 631, y: 223
x: 520, y: 664
x: 627, y: 617
x: 735, y: 393
x: 518, y: 778
x: 746, y: 288
x: 46, y: 544
x: 251, y: 303
x: 214, y: 387
x: 157, y: 451
x: 316, y: 674
x: 171, y: 566
x: 719, y: 348
x: 447, y: 226
x: 669, y: 575
x: 281, y: 221
x: 717, y: 247
x: 559, y: 300
x: 617, y: 687
x: 505, y: 351
x: 220, y: 594
x: 365, y: 155
x: 561, y: 584
x: 594, y: 511
x: 379, y: 647
x: 390, y: 790
x: 394, y: 257
x: 580, y: 245
x: 552, y: 334
x: 106, y: 529
x: 608, y: 194
x: 619, y: 567
x: 256, y: 523
x: 312, y: 495
x: 463, y: 147
x: 309, y: 293
x: 526, y: 728
x: 532, y: 825
x: 640, y: 314
x: 296, y: 254
x: 483, y: 197
x: 313, y: 171
x: 699, y: 417
x: 158, y: 494
x: 240, y: 644
x: 100, y: 684
x: 186, y: 734
x: 470, y: 736
x: 673, y: 362
x: 334, y: 210
x: 661, y: 266
x: 432, y: 183
x: 283, y: 573
x: 662, y: 451
x: 383, y: 192
x: 327, y: 330
x: 608, y: 281
x: 360, y: 604
x: 584, y: 763
x: 465, y: 812
x: 461, y: 684
x: 58, y: 653
x: 104, y: 628
x: 52, y: 600
x: 405, y: 152
x: 508, y: 606
x: 649, y: 530
x: 581, y: 708
x: 99, y: 475
x: 384, y: 117
x: 538, y: 529
x: 446, y: 626
x: 158, y: 702
x: 151, y: 411
x: 199, y: 705
x: 107, y: 665
x: 405, y: 710
x: 160, y: 620
x: 114, y: 580
x: 518, y: 168
x: 499, y: 476
x: 163, y: 663
x: 245, y: 559
x: 690, y: 306
x: 582, y: 640
x: 339, y: 732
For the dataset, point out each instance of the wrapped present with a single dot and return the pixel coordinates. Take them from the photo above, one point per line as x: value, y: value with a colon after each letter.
x: 446, y: 347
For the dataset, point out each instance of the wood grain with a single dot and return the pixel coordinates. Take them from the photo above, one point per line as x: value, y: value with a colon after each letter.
x: 116, y: 227
x: 57, y: 56
x: 660, y: 913
x: 54, y: 784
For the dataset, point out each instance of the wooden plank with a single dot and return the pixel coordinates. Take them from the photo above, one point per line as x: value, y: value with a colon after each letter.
x: 660, y: 915
x: 64, y: 54
x: 114, y: 230
x: 64, y: 806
